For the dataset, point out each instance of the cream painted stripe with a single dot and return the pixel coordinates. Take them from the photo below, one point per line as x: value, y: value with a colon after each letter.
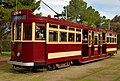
x: 63, y: 54
x: 33, y: 32
x: 111, y: 49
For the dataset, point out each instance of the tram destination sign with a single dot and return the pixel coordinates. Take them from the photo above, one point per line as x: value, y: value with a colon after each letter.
x: 18, y: 16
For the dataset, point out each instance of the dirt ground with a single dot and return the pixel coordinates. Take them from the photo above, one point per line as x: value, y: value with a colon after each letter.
x: 3, y: 58
x: 103, y: 70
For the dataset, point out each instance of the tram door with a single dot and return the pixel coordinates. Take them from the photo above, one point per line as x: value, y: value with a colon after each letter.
x: 85, y: 51
x: 95, y: 44
x: 90, y: 45
x: 99, y: 44
x: 92, y: 52
x: 104, y: 44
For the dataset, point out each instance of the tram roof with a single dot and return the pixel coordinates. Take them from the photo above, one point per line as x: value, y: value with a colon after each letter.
x: 34, y: 18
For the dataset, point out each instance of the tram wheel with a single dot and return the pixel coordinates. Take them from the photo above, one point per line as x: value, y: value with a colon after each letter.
x: 50, y: 68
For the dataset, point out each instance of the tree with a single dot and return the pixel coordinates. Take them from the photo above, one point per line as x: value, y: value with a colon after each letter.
x: 105, y: 23
x: 77, y: 9
x: 115, y: 26
x: 91, y: 17
x: 6, y: 7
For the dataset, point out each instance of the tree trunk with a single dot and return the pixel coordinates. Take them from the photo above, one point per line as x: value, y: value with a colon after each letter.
x: 0, y: 46
x: 0, y: 38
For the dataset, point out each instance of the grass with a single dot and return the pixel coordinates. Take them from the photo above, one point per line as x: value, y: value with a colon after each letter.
x: 6, y: 54
x: 110, y: 72
x: 104, y: 70
x: 7, y: 73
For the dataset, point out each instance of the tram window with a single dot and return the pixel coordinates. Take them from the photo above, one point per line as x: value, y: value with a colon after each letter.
x: 78, y: 30
x: 63, y: 36
x: 27, y: 31
x: 95, y: 40
x: 53, y: 36
x: 18, y: 31
x: 78, y: 37
x: 110, y: 39
x: 71, y: 37
x: 53, y: 26
x: 85, y: 35
x: 40, y: 33
x: 115, y: 40
x: 63, y: 27
x: 107, y: 39
x: 71, y: 29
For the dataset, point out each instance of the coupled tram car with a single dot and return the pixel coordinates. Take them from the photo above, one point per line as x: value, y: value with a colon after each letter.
x: 53, y: 43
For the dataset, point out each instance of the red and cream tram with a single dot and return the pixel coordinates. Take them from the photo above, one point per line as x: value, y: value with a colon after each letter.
x: 54, y: 43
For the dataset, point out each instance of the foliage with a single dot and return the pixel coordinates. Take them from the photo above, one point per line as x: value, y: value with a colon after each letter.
x: 77, y: 9
x: 6, y: 43
x: 6, y: 6
x: 6, y: 54
x: 115, y: 26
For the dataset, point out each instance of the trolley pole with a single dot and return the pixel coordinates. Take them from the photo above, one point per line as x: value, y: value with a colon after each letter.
x: 66, y: 10
x: 16, y: 4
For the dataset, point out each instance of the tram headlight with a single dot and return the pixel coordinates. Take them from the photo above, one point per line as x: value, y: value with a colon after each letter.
x: 18, y: 54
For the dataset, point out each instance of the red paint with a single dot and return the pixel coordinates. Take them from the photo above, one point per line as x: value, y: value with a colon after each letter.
x: 39, y: 52
x: 111, y: 45
x: 51, y: 48
x: 27, y: 52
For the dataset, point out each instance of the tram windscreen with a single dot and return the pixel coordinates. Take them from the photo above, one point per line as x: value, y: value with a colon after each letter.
x: 18, y: 17
x: 27, y: 31
x: 18, y: 31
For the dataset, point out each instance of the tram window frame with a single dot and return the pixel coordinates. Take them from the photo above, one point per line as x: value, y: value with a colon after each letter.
x: 41, y: 33
x: 18, y: 32
x: 53, y: 36
x: 27, y: 36
x: 90, y: 39
x: 63, y: 37
x: 13, y: 26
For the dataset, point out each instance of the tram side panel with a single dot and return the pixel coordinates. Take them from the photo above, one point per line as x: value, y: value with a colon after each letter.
x: 57, y: 53
x: 22, y: 52
x: 111, y: 48
x: 27, y: 52
x: 39, y: 55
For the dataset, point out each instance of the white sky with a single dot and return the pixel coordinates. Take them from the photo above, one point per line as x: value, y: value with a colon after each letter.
x: 108, y: 8
x: 57, y: 5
